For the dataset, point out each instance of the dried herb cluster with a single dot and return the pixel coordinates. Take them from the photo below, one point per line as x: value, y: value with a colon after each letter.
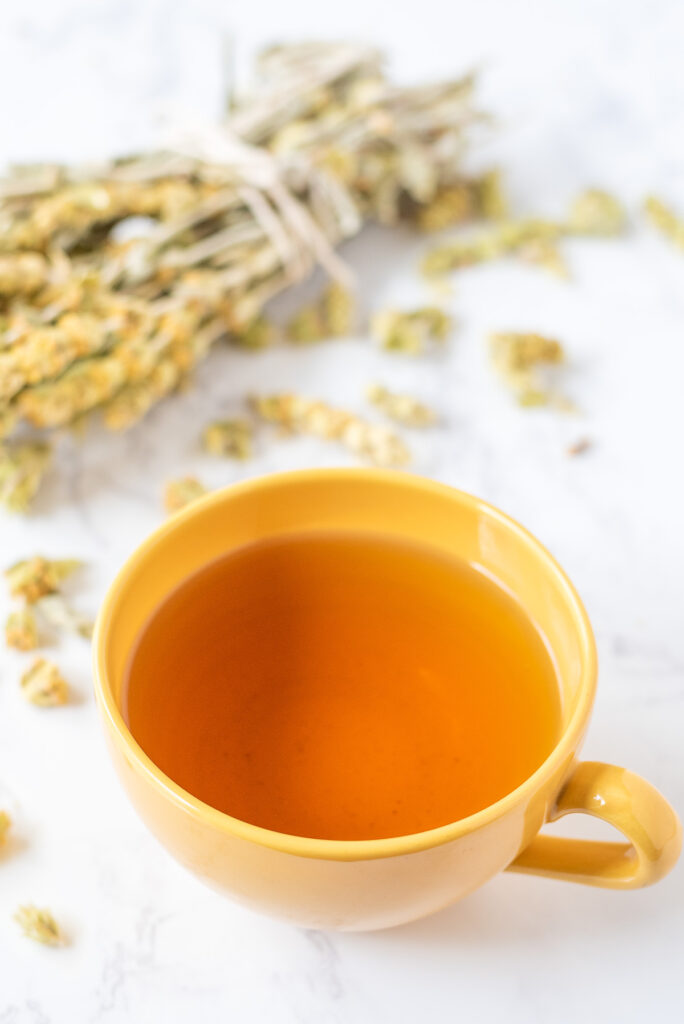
x: 90, y: 321
x: 36, y: 582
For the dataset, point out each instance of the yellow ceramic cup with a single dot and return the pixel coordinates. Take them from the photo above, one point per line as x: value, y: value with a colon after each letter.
x: 377, y: 883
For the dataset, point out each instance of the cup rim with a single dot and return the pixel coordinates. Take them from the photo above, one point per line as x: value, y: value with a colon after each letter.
x: 340, y: 849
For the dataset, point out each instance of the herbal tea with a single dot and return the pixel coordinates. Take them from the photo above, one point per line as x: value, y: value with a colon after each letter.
x: 342, y: 686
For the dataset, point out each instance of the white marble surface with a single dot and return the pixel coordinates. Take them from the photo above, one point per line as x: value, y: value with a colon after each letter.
x: 586, y: 92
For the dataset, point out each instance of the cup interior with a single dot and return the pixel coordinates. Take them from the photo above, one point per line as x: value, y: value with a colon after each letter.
x: 391, y: 504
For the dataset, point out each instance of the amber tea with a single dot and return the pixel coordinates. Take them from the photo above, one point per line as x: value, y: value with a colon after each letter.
x: 342, y: 685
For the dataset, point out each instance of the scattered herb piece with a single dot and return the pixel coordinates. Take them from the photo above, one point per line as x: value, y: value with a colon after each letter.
x: 331, y: 316
x: 39, y: 925
x: 306, y: 326
x: 491, y: 199
x: 44, y: 685
x: 593, y: 213
x: 22, y: 468
x: 179, y: 493
x: 596, y: 212
x: 309, y: 416
x: 580, y: 447
x: 664, y: 218
x: 229, y: 438
x: 519, y: 357
x: 258, y: 334
x: 35, y: 577
x: 59, y: 614
x: 545, y: 254
x: 411, y: 331
x: 21, y: 630
x: 338, y: 309
x: 402, y: 408
x: 493, y: 243
x: 450, y: 206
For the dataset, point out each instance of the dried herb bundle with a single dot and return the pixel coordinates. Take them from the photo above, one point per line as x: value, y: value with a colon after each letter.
x: 93, y: 320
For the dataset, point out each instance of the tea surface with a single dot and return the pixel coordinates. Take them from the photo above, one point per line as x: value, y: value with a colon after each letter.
x: 342, y: 686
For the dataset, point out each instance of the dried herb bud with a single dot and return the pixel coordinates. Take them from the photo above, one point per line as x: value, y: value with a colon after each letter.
x: 179, y: 493
x: 410, y: 332
x: 306, y: 326
x: 35, y: 577
x: 310, y: 416
x: 258, y: 334
x: 451, y: 205
x: 595, y: 212
x: 402, y: 408
x: 21, y: 630
x: 5, y: 825
x: 518, y: 358
x: 22, y: 468
x: 59, y: 614
x: 39, y: 925
x: 228, y: 437
x: 491, y: 200
x: 665, y: 220
x: 22, y: 273
x: 44, y: 685
x: 338, y: 310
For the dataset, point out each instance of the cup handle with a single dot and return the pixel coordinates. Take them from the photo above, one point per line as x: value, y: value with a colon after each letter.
x: 624, y: 800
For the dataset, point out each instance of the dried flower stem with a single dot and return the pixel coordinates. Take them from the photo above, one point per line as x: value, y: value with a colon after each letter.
x: 311, y: 416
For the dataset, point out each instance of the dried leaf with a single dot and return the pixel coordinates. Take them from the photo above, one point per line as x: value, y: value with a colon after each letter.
x: 402, y: 408
x: 179, y: 493
x: 33, y: 578
x: 44, y: 685
x: 228, y: 438
x: 39, y: 925
x: 21, y: 630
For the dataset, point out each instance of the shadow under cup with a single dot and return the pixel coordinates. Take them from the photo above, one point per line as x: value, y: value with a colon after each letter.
x: 326, y: 883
